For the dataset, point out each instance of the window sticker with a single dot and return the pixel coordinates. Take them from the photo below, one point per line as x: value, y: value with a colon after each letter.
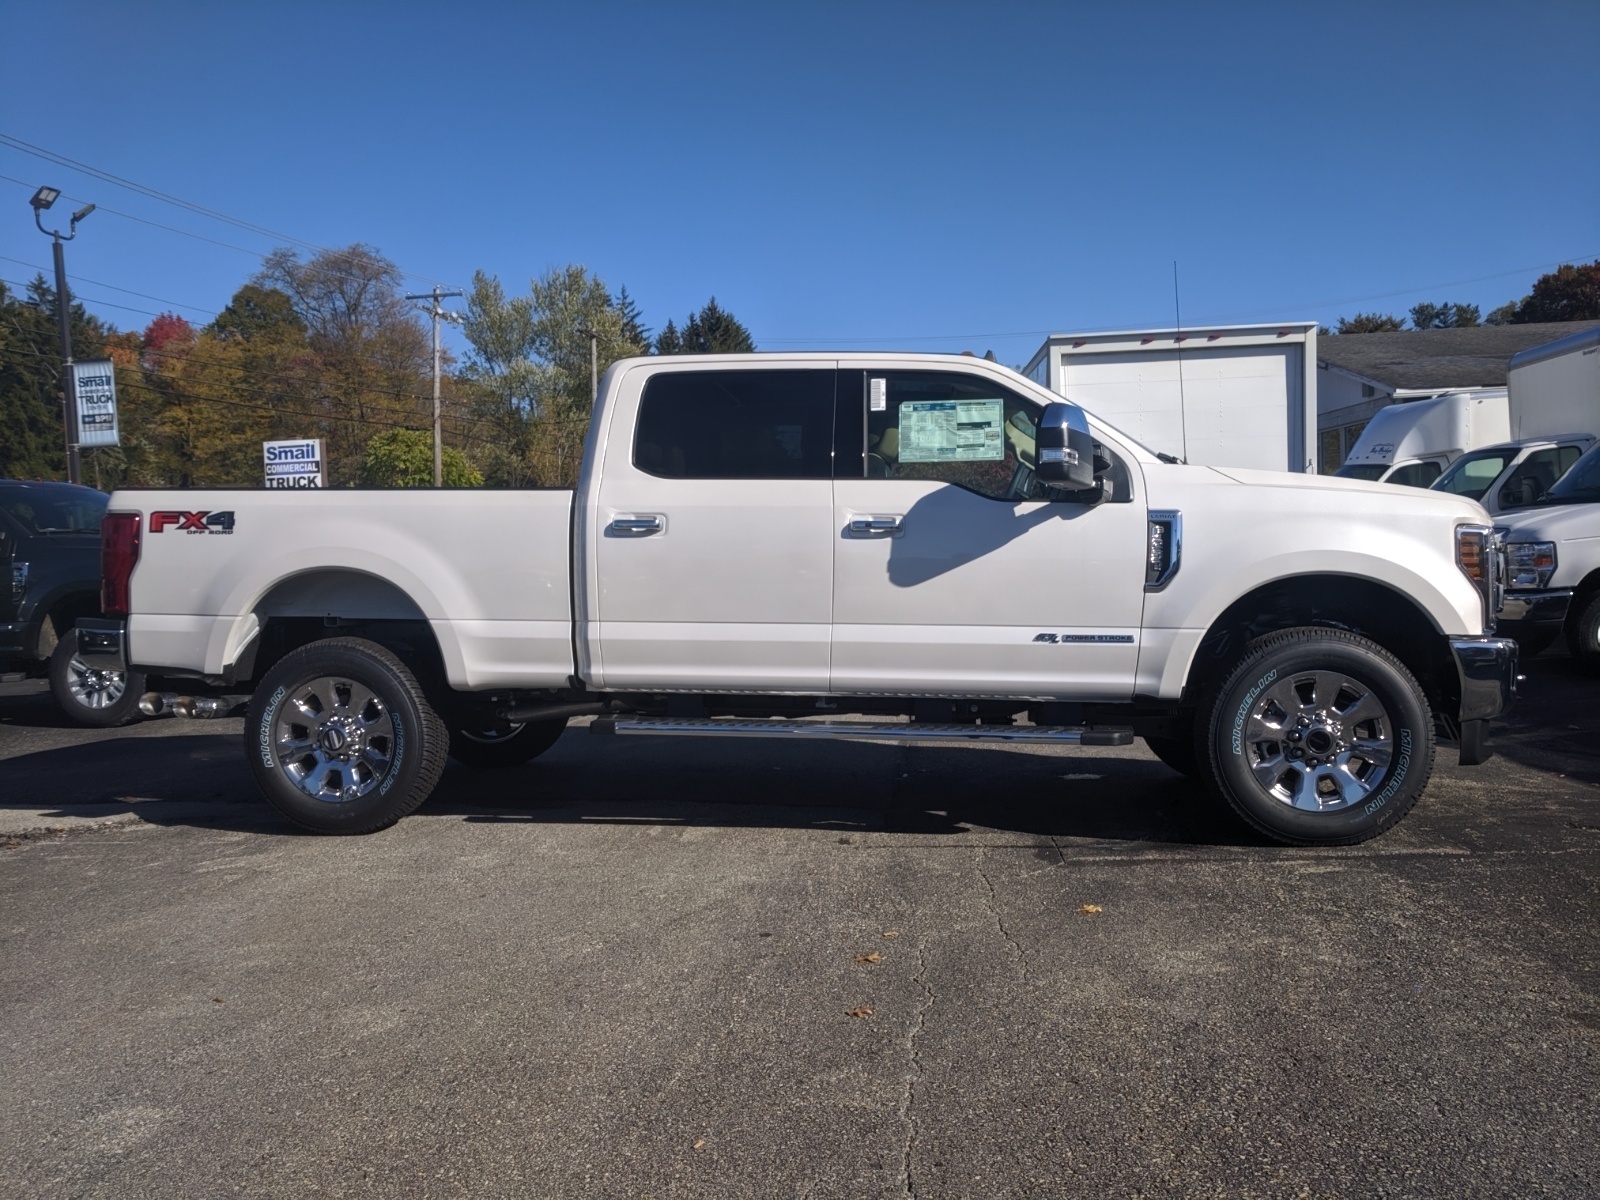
x: 879, y: 395
x: 952, y: 431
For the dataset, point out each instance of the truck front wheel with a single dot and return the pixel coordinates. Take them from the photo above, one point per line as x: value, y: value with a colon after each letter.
x: 1317, y: 737
x: 341, y: 739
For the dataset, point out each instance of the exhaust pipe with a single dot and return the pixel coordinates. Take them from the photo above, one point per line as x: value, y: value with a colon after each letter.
x: 154, y: 704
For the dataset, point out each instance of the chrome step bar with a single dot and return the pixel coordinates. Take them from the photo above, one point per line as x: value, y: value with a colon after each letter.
x: 863, y: 731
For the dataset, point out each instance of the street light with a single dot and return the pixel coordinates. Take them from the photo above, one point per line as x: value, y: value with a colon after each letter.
x: 43, y: 199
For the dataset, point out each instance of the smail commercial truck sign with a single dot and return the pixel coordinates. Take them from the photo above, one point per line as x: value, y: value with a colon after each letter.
x: 96, y: 384
x: 294, y: 464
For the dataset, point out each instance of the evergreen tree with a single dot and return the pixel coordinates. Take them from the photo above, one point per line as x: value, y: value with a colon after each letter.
x: 1370, y: 323
x: 32, y: 437
x: 669, y: 341
x: 1444, y: 316
x: 634, y: 330
x: 714, y: 330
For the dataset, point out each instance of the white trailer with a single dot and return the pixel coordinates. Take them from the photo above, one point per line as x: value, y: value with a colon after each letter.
x: 1555, y: 388
x: 1411, y: 443
x: 1221, y: 396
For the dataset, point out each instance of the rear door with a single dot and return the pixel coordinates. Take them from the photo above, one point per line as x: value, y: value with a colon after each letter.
x: 714, y: 546
x: 956, y: 572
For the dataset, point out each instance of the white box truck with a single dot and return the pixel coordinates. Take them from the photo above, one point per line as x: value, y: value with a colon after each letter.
x: 1224, y: 396
x: 1555, y: 388
x: 1411, y: 443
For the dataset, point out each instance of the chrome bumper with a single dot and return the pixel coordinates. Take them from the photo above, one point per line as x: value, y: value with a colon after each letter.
x: 1535, y: 608
x: 1487, y: 668
x: 103, y: 644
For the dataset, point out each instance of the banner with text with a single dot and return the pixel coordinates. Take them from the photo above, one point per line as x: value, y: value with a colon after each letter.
x: 297, y: 464
x: 96, y: 385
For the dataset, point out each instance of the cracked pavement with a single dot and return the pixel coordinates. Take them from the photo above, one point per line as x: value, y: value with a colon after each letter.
x: 629, y: 969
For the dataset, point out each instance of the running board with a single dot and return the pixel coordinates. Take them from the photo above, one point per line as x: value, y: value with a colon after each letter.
x: 863, y: 731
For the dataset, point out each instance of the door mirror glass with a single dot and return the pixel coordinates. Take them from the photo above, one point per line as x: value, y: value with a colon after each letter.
x: 1066, y: 448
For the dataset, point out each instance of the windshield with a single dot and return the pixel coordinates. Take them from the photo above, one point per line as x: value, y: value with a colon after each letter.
x: 1371, y: 472
x: 1580, y: 485
x: 1471, y: 474
x: 46, y: 508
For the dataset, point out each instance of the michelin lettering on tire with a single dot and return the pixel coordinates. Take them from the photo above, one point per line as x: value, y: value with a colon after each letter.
x: 264, y: 731
x: 399, y: 753
x: 1396, y: 777
x: 1244, y: 709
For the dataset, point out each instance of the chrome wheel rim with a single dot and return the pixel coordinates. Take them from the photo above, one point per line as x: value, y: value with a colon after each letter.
x: 334, y: 739
x: 1319, y: 741
x: 94, y: 689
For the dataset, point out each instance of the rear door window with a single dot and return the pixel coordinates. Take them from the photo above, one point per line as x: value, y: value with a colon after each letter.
x: 736, y: 425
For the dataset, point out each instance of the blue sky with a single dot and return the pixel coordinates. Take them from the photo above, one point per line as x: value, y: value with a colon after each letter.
x: 929, y: 176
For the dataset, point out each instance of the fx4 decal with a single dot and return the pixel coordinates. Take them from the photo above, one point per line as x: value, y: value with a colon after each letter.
x: 192, y: 522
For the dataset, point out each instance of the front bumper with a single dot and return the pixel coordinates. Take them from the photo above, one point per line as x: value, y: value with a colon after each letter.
x: 1525, y: 609
x: 103, y: 644
x: 1487, y: 669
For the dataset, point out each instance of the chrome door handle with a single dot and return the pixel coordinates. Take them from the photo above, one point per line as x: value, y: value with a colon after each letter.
x: 637, y: 526
x: 870, y: 527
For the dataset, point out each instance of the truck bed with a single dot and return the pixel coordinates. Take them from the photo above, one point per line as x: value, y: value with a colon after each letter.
x: 489, y: 570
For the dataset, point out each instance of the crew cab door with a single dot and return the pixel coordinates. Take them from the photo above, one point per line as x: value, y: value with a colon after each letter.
x: 713, y: 540
x: 956, y: 573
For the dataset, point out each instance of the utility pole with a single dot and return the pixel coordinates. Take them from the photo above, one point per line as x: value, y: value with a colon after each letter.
x: 594, y: 364
x: 436, y: 295
x: 43, y: 199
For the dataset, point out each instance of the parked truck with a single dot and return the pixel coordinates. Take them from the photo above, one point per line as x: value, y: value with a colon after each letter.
x: 1552, y: 549
x: 877, y: 547
x: 1411, y: 443
x: 1223, y: 396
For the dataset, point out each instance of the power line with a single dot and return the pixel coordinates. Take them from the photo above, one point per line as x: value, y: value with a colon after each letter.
x: 112, y: 286
x: 17, y: 143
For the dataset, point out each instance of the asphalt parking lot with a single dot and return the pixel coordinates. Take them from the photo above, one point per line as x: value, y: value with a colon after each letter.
x: 661, y: 967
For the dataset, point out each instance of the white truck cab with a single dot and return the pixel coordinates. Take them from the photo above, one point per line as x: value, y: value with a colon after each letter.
x: 1411, y: 443
x: 1552, y: 584
x: 883, y: 547
x: 1513, y: 475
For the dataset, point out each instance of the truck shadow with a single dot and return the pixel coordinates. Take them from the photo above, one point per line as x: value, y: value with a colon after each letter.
x: 1555, y: 724
x: 200, y: 779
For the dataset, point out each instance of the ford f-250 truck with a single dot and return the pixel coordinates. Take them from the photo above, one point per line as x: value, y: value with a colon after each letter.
x: 856, y: 546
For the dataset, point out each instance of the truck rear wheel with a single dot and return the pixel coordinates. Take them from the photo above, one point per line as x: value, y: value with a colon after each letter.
x: 88, y: 695
x: 1317, y: 737
x: 341, y: 739
x: 502, y: 743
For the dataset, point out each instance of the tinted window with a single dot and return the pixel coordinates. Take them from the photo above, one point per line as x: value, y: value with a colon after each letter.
x: 44, y: 508
x: 1419, y: 474
x: 1580, y: 485
x: 736, y: 425
x: 1471, y: 474
x: 1367, y: 471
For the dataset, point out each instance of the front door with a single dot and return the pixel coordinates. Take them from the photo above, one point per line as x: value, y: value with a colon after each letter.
x: 715, y: 550
x: 956, y: 573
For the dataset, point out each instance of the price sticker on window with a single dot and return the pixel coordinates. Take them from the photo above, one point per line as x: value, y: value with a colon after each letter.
x: 952, y: 431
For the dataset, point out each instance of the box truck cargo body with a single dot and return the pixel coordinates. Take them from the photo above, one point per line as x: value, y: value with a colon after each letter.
x: 1231, y: 396
x: 1555, y: 388
x: 1411, y: 443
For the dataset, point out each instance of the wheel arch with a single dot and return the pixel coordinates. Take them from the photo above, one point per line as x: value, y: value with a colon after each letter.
x: 1375, y: 610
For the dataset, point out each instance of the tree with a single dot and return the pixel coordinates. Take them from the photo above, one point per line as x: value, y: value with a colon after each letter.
x: 404, y: 458
x: 1506, y: 314
x: 32, y: 433
x: 1569, y: 293
x: 634, y: 330
x: 1370, y: 323
x: 259, y: 312
x: 669, y: 340
x: 1444, y: 316
x: 714, y: 330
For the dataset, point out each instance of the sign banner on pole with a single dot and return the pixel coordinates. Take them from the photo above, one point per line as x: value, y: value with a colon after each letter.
x: 296, y: 464
x: 96, y: 384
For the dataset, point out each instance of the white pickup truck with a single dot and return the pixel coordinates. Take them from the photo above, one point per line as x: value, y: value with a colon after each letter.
x: 879, y: 547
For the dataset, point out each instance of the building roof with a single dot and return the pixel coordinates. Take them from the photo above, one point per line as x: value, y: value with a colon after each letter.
x: 1439, y: 358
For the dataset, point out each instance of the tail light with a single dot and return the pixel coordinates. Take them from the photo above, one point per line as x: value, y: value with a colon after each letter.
x: 119, y: 553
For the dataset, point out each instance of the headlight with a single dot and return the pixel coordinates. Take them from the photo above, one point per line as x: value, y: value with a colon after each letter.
x: 1530, y: 564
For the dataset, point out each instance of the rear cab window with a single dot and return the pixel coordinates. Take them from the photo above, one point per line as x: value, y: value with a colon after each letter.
x: 765, y: 424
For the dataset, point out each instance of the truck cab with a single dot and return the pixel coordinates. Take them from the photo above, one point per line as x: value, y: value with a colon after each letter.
x: 1552, y: 549
x: 1412, y: 442
x: 1513, y: 475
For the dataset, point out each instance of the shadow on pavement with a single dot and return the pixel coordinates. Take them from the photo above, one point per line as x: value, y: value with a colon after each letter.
x: 201, y: 779
x: 1555, y: 724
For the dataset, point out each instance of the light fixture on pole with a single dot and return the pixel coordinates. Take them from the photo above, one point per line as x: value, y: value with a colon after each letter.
x: 43, y: 199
